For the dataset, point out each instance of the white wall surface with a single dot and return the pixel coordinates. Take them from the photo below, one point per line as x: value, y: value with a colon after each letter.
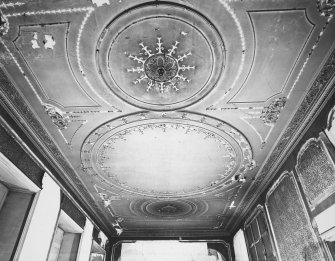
x: 43, y: 223
x: 85, y: 242
x: 240, y: 248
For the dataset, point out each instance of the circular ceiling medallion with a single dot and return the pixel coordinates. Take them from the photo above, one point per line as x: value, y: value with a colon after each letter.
x: 160, y: 56
x: 168, y: 208
x: 161, y: 68
x: 165, y: 155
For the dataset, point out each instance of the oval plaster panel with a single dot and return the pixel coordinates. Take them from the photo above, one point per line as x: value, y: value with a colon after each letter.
x: 165, y: 155
x: 160, y: 56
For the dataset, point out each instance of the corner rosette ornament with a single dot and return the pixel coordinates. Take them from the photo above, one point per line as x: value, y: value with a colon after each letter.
x: 161, y: 71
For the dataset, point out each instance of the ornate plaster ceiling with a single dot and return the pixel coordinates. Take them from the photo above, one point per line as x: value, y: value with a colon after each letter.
x: 167, y: 118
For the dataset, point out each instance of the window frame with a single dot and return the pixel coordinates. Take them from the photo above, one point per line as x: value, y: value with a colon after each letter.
x: 259, y: 210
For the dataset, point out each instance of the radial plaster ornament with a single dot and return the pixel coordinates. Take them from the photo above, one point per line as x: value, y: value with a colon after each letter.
x: 161, y: 70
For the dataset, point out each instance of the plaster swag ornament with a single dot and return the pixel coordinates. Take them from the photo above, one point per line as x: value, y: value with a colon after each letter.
x: 161, y: 70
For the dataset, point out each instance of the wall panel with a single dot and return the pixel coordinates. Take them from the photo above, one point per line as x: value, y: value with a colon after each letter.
x: 291, y: 225
x: 316, y: 171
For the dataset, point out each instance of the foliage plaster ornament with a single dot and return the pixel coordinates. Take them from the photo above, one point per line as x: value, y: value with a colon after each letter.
x: 326, y: 7
x: 49, y: 42
x: 107, y: 196
x: 118, y: 228
x: 270, y: 114
x: 4, y: 25
x: 57, y: 116
x: 99, y: 3
x: 34, y: 41
x: 161, y: 70
x: 10, y: 4
x: 62, y: 119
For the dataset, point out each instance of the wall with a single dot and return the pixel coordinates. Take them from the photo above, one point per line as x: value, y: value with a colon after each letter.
x: 86, y: 242
x: 28, y: 220
x: 222, y: 245
x: 43, y: 222
x: 3, y: 195
x: 69, y: 247
x: 12, y: 218
x: 302, y: 188
x: 241, y: 252
x: 56, y: 244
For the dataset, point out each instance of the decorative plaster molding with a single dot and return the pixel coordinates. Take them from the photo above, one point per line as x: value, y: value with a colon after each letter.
x: 216, y: 107
x: 309, y: 55
x: 243, y: 50
x: 62, y: 120
x: 168, y: 209
x: 13, y: 101
x: 107, y: 196
x: 161, y: 71
x: 111, y: 133
x: 10, y: 5
x: 57, y: 116
x: 160, y: 63
x: 4, y: 25
x: 100, y: 3
x: 326, y: 7
x: 50, y: 43
x: 270, y: 114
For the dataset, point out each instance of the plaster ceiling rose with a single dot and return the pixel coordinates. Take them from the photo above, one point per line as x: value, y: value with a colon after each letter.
x: 168, y: 208
x: 148, y: 56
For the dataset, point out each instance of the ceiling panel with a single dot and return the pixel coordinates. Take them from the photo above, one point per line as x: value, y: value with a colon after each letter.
x: 165, y: 117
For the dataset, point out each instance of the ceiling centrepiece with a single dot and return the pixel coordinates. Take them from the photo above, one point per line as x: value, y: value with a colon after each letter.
x: 162, y: 57
x: 169, y: 209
